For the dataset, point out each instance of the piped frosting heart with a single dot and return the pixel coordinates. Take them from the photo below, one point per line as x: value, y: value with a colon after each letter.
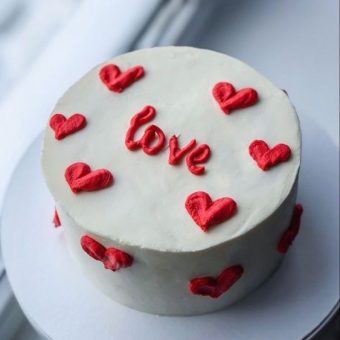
x: 207, y: 213
x: 266, y: 157
x: 63, y: 126
x: 116, y: 259
x: 80, y: 178
x: 291, y: 232
x: 215, y: 287
x: 56, y: 219
x: 112, y: 258
x: 118, y: 81
x: 92, y: 248
x: 229, y: 99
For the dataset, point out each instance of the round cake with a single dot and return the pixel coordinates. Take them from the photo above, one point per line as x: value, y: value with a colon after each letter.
x: 174, y: 171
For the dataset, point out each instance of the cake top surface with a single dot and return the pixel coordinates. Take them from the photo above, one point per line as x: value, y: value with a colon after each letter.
x: 146, y: 204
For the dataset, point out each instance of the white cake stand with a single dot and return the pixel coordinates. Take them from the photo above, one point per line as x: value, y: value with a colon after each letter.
x: 64, y: 305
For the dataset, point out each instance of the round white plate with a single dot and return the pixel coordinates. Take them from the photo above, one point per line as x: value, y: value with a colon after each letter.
x: 64, y: 305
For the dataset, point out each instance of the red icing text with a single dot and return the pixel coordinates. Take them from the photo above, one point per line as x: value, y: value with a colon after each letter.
x: 151, y: 134
x: 199, y: 155
x: 176, y: 153
x: 153, y: 141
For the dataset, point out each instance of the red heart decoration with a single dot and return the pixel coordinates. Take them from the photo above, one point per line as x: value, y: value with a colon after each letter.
x: 93, y: 248
x: 56, y: 219
x: 80, y: 178
x: 63, y: 126
x: 112, y: 258
x: 207, y: 213
x: 266, y: 157
x: 289, y: 235
x: 118, y: 81
x: 228, y: 99
x: 116, y: 259
x: 215, y: 287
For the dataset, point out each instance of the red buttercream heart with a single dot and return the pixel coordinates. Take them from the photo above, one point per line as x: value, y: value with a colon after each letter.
x: 215, y: 287
x: 92, y: 247
x: 118, y: 81
x: 266, y: 157
x: 80, y: 178
x: 56, y: 219
x: 207, y: 213
x: 63, y: 126
x: 116, y: 259
x: 228, y: 99
x: 291, y: 232
x: 112, y: 258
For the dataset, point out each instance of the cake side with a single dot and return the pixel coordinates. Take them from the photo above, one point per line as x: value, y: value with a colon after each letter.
x: 158, y: 281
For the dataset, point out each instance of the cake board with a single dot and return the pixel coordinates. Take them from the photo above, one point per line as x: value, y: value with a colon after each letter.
x: 62, y: 304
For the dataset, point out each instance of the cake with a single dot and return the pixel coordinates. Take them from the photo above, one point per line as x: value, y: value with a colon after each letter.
x: 174, y: 171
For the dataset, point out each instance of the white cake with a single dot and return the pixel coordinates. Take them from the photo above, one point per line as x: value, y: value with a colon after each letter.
x: 165, y: 231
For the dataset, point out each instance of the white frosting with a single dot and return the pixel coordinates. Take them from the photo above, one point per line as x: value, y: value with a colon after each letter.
x: 157, y: 282
x: 145, y: 206
x: 143, y: 212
